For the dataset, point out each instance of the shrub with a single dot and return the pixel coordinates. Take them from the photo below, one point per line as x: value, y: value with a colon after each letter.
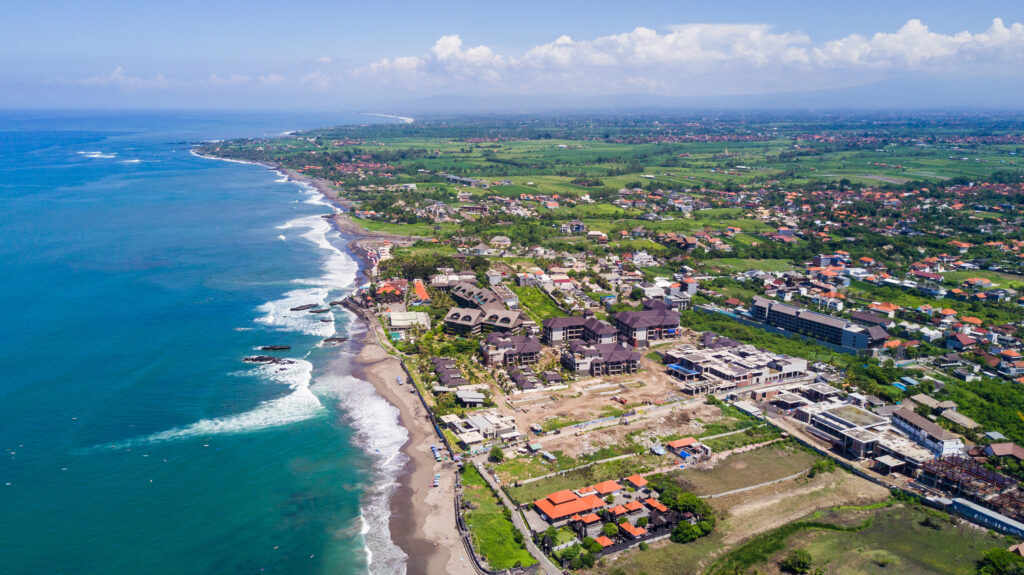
x: 798, y: 561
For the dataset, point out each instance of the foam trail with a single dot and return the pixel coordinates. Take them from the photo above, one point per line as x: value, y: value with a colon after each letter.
x: 380, y: 435
x: 301, y: 404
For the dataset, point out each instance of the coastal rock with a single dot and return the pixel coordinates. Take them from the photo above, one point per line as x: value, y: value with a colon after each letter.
x: 338, y: 302
x: 268, y: 359
x: 304, y: 307
x: 335, y: 340
x: 320, y: 310
x: 274, y: 347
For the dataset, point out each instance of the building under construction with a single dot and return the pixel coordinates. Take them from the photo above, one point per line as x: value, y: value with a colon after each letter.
x: 958, y: 476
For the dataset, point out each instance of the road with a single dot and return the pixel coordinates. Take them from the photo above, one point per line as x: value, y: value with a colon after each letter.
x: 517, y: 520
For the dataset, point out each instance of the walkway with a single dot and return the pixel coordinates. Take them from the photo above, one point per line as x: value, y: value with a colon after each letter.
x: 517, y: 520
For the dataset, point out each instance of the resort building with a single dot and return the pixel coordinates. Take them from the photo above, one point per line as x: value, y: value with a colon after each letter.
x: 640, y: 328
x: 505, y: 350
x: 600, y: 359
x: 827, y: 328
x: 560, y: 330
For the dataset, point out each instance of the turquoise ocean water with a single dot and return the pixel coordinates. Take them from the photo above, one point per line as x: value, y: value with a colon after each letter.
x: 135, y: 278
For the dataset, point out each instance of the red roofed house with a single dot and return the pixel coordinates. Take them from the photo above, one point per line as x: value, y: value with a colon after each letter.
x: 655, y: 504
x: 637, y: 481
x: 632, y: 531
x: 604, y: 541
x: 606, y: 487
x: 634, y: 506
x: 565, y: 504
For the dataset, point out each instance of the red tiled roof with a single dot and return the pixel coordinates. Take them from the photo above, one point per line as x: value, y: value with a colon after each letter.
x: 563, y: 496
x: 632, y: 529
x: 682, y: 442
x: 634, y: 506
x: 590, y: 518
x: 655, y: 504
x: 637, y: 481
x: 588, y: 503
x: 619, y: 510
x: 604, y: 541
x: 606, y: 487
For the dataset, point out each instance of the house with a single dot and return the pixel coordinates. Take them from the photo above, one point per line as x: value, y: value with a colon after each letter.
x: 564, y: 504
x: 1005, y: 449
x: 470, y: 398
x: 503, y: 242
x: 559, y: 330
x: 639, y: 328
x: 600, y: 358
x: 941, y: 442
x: 961, y: 342
x: 505, y: 350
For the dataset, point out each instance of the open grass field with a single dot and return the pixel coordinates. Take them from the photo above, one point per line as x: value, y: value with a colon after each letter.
x: 745, y: 469
x: 578, y: 478
x: 536, y: 303
x: 1000, y: 279
x: 492, y: 530
x: 742, y: 265
x: 884, y: 540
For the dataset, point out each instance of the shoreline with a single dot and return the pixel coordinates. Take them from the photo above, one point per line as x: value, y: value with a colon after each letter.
x: 422, y: 519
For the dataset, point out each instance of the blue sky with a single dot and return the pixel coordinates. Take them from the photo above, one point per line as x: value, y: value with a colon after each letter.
x: 348, y: 55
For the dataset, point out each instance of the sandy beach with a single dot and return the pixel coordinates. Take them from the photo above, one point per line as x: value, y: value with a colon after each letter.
x: 422, y: 521
x: 422, y: 517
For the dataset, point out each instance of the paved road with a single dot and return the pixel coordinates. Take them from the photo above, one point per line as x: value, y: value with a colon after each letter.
x: 517, y: 520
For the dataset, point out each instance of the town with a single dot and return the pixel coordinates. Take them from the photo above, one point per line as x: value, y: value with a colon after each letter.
x: 657, y: 343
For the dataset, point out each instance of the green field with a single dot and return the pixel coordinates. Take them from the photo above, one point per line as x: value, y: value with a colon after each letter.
x: 578, y: 478
x: 887, y: 540
x: 494, y: 535
x: 536, y: 303
x: 742, y: 265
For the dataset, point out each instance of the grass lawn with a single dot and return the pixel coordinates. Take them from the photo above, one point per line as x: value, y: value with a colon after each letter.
x: 536, y: 303
x: 744, y: 264
x: 748, y: 437
x: 746, y: 469
x: 886, y: 540
x: 493, y: 532
x: 578, y: 478
x: 1000, y: 279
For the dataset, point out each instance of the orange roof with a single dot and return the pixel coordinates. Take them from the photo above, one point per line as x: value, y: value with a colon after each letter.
x: 634, y: 506
x: 682, y: 442
x: 555, y: 512
x: 575, y: 518
x: 619, y: 510
x: 606, y: 487
x: 1009, y: 353
x: 604, y: 541
x: 560, y: 497
x: 971, y: 320
x: 948, y: 311
x: 421, y: 292
x: 885, y: 306
x: 590, y: 518
x: 655, y: 504
x: 637, y: 481
x: 632, y: 529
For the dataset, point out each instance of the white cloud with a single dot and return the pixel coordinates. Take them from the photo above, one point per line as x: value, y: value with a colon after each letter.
x: 914, y: 46
x: 118, y: 79
x: 661, y: 59
x: 324, y: 60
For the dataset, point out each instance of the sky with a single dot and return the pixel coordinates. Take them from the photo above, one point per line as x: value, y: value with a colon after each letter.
x: 408, y: 57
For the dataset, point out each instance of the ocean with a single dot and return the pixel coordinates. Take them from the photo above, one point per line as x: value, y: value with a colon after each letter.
x: 136, y: 278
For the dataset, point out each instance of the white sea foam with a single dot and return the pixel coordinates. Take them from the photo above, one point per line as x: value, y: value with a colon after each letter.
x: 378, y: 432
x: 299, y: 405
x: 98, y: 154
x: 135, y: 161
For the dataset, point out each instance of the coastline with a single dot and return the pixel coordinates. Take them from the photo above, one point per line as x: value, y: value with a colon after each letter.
x: 422, y: 519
